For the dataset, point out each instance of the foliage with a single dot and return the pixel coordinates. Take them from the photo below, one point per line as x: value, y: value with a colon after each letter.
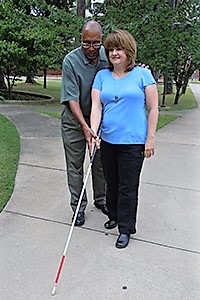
x: 12, y: 53
x: 166, y: 34
x: 34, y: 37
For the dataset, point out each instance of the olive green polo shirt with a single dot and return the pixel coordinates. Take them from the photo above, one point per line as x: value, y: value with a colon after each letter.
x: 77, y: 77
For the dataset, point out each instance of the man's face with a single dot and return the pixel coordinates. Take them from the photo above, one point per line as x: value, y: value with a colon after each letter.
x: 91, y: 40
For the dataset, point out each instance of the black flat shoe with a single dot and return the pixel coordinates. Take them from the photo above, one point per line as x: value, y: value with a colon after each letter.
x: 122, y: 241
x: 110, y: 224
x: 103, y: 208
x: 80, y: 220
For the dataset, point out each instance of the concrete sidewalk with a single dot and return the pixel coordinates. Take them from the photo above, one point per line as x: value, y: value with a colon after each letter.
x: 162, y: 261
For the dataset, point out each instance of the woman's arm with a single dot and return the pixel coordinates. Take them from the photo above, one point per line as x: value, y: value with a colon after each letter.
x: 95, y: 117
x: 151, y: 93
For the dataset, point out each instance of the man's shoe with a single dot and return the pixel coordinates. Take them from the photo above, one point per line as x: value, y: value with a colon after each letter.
x: 110, y: 224
x: 80, y: 219
x: 103, y: 208
x: 122, y: 241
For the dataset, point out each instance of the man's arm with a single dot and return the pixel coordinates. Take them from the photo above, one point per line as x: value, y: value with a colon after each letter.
x: 77, y: 112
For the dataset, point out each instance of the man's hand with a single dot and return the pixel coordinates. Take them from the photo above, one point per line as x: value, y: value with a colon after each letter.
x: 88, y: 133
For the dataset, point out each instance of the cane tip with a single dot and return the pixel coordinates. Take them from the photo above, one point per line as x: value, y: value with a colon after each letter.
x: 53, y: 291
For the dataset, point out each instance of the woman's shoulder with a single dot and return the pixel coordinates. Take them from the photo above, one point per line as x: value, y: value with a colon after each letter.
x: 104, y: 73
x: 141, y: 69
x: 144, y: 72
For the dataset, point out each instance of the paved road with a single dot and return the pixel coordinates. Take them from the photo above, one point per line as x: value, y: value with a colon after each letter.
x: 162, y: 261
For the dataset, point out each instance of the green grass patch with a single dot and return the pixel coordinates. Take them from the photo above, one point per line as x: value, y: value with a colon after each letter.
x: 186, y: 101
x: 53, y: 88
x: 9, y: 158
x: 55, y: 114
x: 165, y: 119
x: 194, y: 81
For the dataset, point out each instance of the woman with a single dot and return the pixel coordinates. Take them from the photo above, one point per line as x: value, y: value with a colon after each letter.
x: 120, y: 96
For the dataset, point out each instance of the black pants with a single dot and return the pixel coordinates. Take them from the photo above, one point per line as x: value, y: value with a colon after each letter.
x: 122, y: 165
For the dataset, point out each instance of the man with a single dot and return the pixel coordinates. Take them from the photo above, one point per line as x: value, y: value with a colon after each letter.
x: 78, y: 71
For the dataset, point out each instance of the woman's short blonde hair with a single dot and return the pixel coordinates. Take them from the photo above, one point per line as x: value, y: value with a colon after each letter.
x: 121, y: 39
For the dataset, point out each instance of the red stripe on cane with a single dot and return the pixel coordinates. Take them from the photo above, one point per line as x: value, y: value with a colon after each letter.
x: 60, y: 268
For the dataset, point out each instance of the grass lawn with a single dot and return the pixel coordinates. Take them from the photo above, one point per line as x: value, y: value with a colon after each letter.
x: 9, y: 158
x: 53, y: 88
x: 10, y: 141
x: 186, y: 101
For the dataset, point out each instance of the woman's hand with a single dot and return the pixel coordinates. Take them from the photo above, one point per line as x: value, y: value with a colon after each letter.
x: 94, y: 142
x: 149, y: 148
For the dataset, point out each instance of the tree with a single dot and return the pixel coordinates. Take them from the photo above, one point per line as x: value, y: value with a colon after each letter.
x: 41, y: 32
x: 30, y: 43
x: 166, y: 32
x: 12, y: 53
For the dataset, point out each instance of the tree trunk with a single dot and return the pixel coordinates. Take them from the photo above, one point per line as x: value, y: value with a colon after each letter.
x: 178, y: 89
x: 184, y: 88
x: 80, y: 9
x: 8, y: 83
x: 2, y: 82
x: 169, y: 86
x: 45, y: 78
x: 165, y: 87
x: 30, y: 79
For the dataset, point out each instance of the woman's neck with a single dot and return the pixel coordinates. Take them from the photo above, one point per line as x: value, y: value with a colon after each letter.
x: 119, y: 72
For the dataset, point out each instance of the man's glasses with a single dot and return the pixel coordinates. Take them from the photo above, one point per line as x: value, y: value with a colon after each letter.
x: 87, y: 45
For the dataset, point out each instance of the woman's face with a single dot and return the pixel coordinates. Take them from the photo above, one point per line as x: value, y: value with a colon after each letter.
x: 118, y: 57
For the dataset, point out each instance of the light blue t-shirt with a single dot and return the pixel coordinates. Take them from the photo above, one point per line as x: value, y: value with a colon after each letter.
x: 124, y: 118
